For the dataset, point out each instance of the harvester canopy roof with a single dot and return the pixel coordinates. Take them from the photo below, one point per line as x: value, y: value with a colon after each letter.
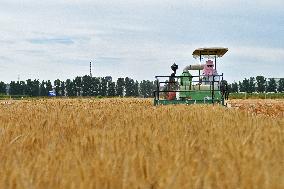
x: 218, y: 51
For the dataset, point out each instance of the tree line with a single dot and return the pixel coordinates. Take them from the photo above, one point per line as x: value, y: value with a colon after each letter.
x: 81, y: 86
x: 257, y: 84
x: 104, y: 86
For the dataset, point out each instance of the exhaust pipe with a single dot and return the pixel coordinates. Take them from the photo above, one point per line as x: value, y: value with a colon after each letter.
x: 194, y: 67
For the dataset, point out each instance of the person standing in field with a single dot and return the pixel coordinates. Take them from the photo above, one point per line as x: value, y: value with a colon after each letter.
x: 224, y: 90
x: 227, y: 92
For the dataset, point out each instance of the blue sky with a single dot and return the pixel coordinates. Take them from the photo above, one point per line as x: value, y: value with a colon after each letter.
x: 140, y: 39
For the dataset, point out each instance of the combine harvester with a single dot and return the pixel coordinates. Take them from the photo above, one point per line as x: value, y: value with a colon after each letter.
x: 207, y: 87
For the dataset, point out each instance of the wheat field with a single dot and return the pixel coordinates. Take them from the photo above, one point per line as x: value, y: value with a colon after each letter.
x: 128, y: 143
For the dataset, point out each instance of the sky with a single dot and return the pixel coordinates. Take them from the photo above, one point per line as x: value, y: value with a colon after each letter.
x: 56, y: 39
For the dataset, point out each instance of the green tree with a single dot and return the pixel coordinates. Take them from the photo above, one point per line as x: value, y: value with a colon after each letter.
x: 32, y: 87
x: 241, y: 88
x: 2, y: 88
x: 251, y: 87
x: 86, y: 85
x: 103, y: 87
x: 281, y: 85
x: 42, y: 89
x: 48, y: 86
x: 146, y: 88
x: 234, y: 87
x: 120, y: 84
x: 142, y: 89
x: 62, y: 88
x: 95, y: 86
x: 111, y: 89
x: 22, y: 88
x: 78, y: 85
x: 13, y: 88
x: 29, y: 89
x: 17, y: 88
x: 271, y: 86
x: 129, y: 87
x: 136, y: 89
x: 70, y: 88
x: 229, y: 87
x: 244, y: 86
x: 35, y: 89
x: 260, y: 82
x: 56, y: 85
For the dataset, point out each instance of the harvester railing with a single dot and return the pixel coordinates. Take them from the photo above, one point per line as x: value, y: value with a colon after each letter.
x: 174, y: 86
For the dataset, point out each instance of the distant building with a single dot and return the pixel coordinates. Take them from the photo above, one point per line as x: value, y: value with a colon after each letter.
x: 51, y: 93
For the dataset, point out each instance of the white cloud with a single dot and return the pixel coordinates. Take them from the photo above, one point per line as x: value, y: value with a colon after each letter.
x: 57, y: 38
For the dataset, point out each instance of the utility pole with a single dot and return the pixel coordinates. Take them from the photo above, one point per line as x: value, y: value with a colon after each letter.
x: 90, y: 69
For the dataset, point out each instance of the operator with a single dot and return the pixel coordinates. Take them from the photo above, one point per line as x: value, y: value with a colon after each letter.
x: 172, y: 84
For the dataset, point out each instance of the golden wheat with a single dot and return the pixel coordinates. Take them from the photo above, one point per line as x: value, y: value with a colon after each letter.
x: 128, y: 143
x: 269, y: 107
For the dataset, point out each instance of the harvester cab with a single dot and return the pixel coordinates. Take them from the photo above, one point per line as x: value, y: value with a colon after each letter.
x: 206, y: 87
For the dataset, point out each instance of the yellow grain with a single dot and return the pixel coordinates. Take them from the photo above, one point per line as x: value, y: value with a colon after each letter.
x: 129, y: 143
